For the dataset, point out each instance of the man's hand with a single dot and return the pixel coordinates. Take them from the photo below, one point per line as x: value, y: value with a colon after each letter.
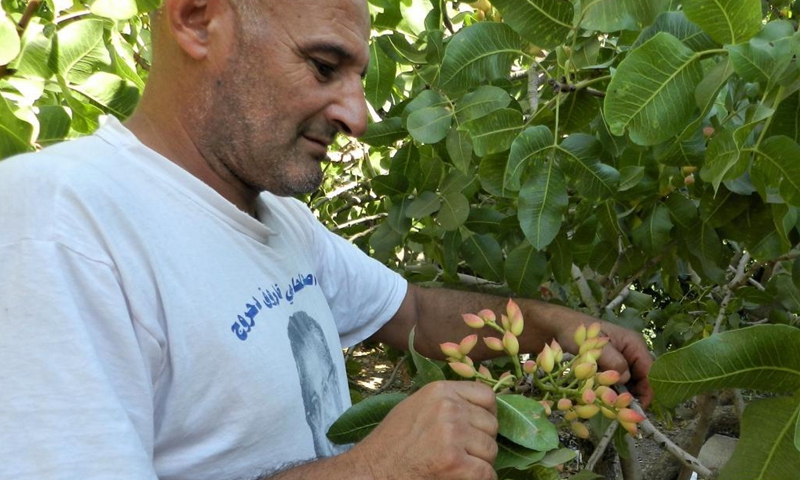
x: 625, y: 353
x: 446, y: 430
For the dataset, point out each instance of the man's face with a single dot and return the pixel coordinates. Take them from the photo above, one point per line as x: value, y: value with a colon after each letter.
x: 292, y: 81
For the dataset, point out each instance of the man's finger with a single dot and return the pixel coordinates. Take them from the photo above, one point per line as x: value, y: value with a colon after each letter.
x: 612, y: 359
x: 483, y: 420
x: 477, y: 394
x: 483, y: 447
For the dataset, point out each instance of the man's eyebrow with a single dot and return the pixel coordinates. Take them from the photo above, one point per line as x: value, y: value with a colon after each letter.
x: 335, y: 49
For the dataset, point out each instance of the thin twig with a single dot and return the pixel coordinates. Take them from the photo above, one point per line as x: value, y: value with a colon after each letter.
x: 738, y: 403
x: 358, y: 221
x: 652, y: 263
x: 601, y: 446
x: 392, y: 377
x: 585, y: 290
x: 739, y: 279
x: 618, y: 299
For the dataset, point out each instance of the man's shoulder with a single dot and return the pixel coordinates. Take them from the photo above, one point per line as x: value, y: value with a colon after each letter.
x: 56, y: 163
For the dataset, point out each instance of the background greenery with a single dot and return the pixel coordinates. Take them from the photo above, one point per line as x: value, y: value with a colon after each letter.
x: 635, y: 160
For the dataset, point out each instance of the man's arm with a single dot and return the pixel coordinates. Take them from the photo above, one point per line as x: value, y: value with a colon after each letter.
x: 444, y: 431
x: 436, y: 312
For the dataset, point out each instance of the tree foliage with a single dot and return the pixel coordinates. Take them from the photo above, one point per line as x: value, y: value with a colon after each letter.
x: 636, y: 160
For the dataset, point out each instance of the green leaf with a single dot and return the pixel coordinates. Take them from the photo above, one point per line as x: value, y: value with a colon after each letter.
x: 654, y: 104
x: 430, y: 170
x: 34, y: 57
x: 613, y: 15
x: 398, y: 48
x: 454, y: 211
x: 486, y: 220
x: 561, y: 456
x: 380, y: 77
x: 724, y: 159
x: 788, y: 293
x: 677, y: 25
x: 427, y: 370
x: 530, y: 145
x: 10, y: 44
x: 429, y: 124
x: 630, y: 177
x: 397, y: 218
x: 459, y: 148
x: 653, y: 234
x: 484, y: 255
x: 511, y: 455
x: 360, y: 419
x: 525, y: 269
x: 786, y: 120
x: 492, y: 172
x: 719, y: 209
x: 80, y: 46
x: 478, y: 54
x: 495, y: 132
x: 752, y: 62
x: 15, y: 134
x: 118, y: 96
x: 797, y: 434
x: 384, y: 133
x: 426, y: 98
x: 545, y: 23
x: 147, y: 6
x: 578, y: 111
x: 542, y: 203
x: 705, y: 245
x: 586, y: 475
x: 55, y: 123
x: 761, y: 357
x: 425, y: 204
x: 766, y: 449
x: 523, y: 421
x: 727, y: 21
x: 777, y: 165
x: 542, y: 473
x: 683, y: 210
x: 561, y: 259
x: 593, y: 179
x: 384, y: 241
x: 115, y: 9
x: 761, y: 237
x: 481, y: 102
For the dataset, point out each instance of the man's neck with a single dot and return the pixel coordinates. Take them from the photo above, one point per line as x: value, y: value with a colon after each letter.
x: 168, y: 137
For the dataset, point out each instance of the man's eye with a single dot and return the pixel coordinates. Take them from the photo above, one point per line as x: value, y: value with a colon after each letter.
x: 323, y: 68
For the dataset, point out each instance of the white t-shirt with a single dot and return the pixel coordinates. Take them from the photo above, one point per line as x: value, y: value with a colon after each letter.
x: 150, y: 329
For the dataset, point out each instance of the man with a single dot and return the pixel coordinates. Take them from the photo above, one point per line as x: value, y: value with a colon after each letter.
x: 164, y: 318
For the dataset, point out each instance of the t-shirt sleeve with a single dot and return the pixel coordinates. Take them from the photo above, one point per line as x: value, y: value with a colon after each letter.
x: 363, y: 293
x: 76, y: 374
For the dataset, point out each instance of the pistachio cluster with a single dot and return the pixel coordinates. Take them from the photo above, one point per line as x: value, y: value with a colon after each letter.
x: 574, y: 385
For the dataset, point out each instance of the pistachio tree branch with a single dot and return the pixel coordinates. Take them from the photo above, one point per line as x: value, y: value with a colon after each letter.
x: 585, y: 290
x: 631, y: 470
x: 649, y: 430
x: 602, y: 445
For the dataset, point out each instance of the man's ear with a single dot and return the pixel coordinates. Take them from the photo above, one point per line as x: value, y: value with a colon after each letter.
x: 189, y: 21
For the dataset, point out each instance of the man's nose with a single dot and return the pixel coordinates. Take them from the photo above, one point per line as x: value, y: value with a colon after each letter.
x: 349, y: 112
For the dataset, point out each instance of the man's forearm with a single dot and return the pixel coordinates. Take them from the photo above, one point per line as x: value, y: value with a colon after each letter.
x: 438, y: 319
x: 341, y: 467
